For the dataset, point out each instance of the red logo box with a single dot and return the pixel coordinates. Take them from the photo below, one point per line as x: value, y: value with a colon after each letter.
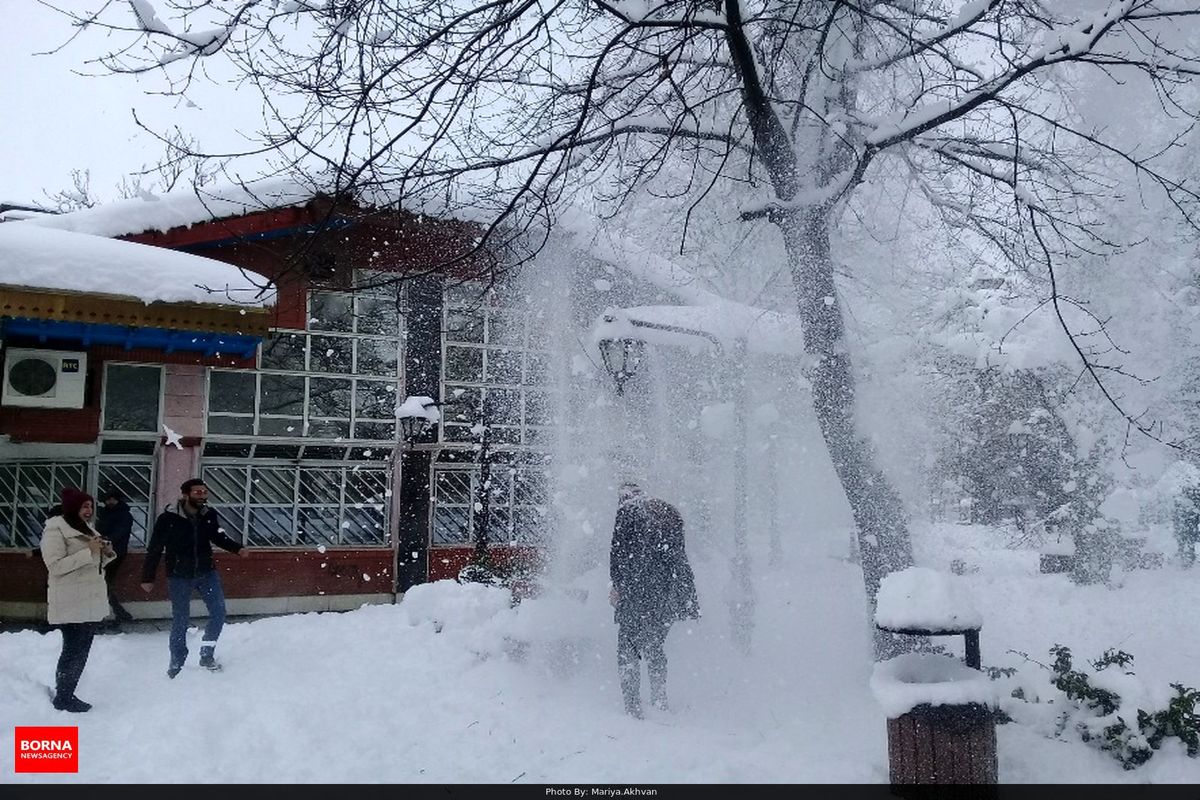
x: 47, y: 749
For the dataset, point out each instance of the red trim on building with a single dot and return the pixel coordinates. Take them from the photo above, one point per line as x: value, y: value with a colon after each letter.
x: 247, y: 225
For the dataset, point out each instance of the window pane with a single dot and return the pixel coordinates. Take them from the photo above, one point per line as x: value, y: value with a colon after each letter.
x: 464, y: 364
x: 460, y: 404
x: 226, y: 485
x: 272, y: 485
x: 8, y: 483
x: 457, y: 433
x: 329, y: 428
x: 503, y: 407
x: 282, y: 394
x: 530, y: 487
x: 317, y: 526
x: 375, y: 399
x: 281, y: 426
x: 537, y: 369
x: 231, y: 426
x: 451, y: 525
x: 529, y: 522
x: 498, y: 526
x: 321, y: 486
x: 464, y: 326
x: 378, y: 315
x: 507, y: 327
x: 329, y: 397
x: 542, y: 437
x: 384, y: 431
x: 497, y: 486
x: 284, y: 351
x: 366, y: 487
x: 131, y: 398
x: 499, y: 434
x: 331, y: 354
x: 270, y: 526
x: 453, y: 486
x: 231, y: 391
x: 466, y: 294
x: 329, y: 312
x: 503, y: 366
x: 364, y: 526
x: 232, y: 520
x: 538, y: 408
x: 378, y: 357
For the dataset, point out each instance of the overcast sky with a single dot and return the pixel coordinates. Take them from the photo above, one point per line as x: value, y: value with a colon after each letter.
x: 56, y: 120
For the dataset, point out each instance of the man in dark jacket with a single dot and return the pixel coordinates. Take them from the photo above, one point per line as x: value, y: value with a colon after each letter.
x: 652, y: 586
x: 115, y: 523
x: 187, y: 531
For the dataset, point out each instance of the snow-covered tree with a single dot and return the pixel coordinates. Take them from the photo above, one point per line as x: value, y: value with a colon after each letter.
x: 508, y: 106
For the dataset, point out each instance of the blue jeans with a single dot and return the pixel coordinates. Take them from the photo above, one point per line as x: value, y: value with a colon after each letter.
x: 180, y: 589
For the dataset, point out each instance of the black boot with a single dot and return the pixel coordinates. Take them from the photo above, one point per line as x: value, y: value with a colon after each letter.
x: 71, y: 703
x: 120, y: 613
x: 208, y: 660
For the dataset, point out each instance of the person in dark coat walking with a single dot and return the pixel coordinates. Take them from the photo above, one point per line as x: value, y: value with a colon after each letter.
x: 652, y: 586
x: 186, y: 532
x: 115, y: 523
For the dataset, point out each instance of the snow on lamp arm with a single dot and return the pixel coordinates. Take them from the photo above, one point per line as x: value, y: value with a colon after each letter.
x: 622, y: 355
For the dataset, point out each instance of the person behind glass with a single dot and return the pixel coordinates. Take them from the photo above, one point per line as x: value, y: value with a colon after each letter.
x: 186, y: 532
x: 652, y: 586
x: 77, y: 598
x: 115, y: 523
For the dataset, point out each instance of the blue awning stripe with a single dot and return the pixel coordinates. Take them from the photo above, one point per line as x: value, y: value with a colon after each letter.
x: 129, y: 337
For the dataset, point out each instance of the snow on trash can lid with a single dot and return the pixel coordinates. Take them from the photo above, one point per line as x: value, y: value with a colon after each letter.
x: 923, y: 599
x: 902, y: 683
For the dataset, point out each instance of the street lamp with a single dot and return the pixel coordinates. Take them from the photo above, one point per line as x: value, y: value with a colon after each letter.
x: 417, y: 415
x: 622, y: 357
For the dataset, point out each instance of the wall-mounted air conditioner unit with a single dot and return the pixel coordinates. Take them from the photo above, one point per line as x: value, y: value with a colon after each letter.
x: 44, y: 378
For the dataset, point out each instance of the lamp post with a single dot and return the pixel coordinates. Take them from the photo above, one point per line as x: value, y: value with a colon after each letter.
x: 622, y: 357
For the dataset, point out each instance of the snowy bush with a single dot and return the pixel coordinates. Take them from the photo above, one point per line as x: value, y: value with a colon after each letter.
x: 1107, y: 706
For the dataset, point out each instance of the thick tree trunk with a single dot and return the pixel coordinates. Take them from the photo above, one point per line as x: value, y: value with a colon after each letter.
x: 883, y: 538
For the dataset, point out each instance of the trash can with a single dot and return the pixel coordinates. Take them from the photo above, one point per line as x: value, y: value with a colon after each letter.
x: 940, y: 720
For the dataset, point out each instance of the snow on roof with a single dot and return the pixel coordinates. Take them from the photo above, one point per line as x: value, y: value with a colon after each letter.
x: 902, y: 683
x: 920, y: 598
x: 183, y: 207
x: 33, y: 256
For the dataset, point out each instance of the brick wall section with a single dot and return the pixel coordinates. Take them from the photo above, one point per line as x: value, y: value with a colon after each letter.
x: 264, y: 573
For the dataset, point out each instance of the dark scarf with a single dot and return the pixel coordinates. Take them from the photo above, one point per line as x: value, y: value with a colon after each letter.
x: 76, y: 522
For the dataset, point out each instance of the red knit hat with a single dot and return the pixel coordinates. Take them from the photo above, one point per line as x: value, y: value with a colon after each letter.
x: 73, y: 500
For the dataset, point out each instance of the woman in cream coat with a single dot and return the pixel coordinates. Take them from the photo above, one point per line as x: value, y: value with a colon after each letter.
x: 75, y: 555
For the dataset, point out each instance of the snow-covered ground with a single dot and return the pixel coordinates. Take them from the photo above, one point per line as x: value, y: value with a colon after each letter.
x: 451, y: 685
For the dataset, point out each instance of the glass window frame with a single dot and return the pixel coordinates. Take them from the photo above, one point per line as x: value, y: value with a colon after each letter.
x: 158, y: 429
x: 307, y: 419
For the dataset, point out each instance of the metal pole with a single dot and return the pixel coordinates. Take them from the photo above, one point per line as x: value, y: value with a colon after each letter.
x: 483, y: 502
x: 742, y: 597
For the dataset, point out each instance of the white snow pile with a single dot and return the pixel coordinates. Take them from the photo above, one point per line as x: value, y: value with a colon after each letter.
x: 32, y: 256
x: 180, y: 208
x: 454, y: 605
x: 920, y: 598
x: 902, y: 683
x: 419, y: 406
